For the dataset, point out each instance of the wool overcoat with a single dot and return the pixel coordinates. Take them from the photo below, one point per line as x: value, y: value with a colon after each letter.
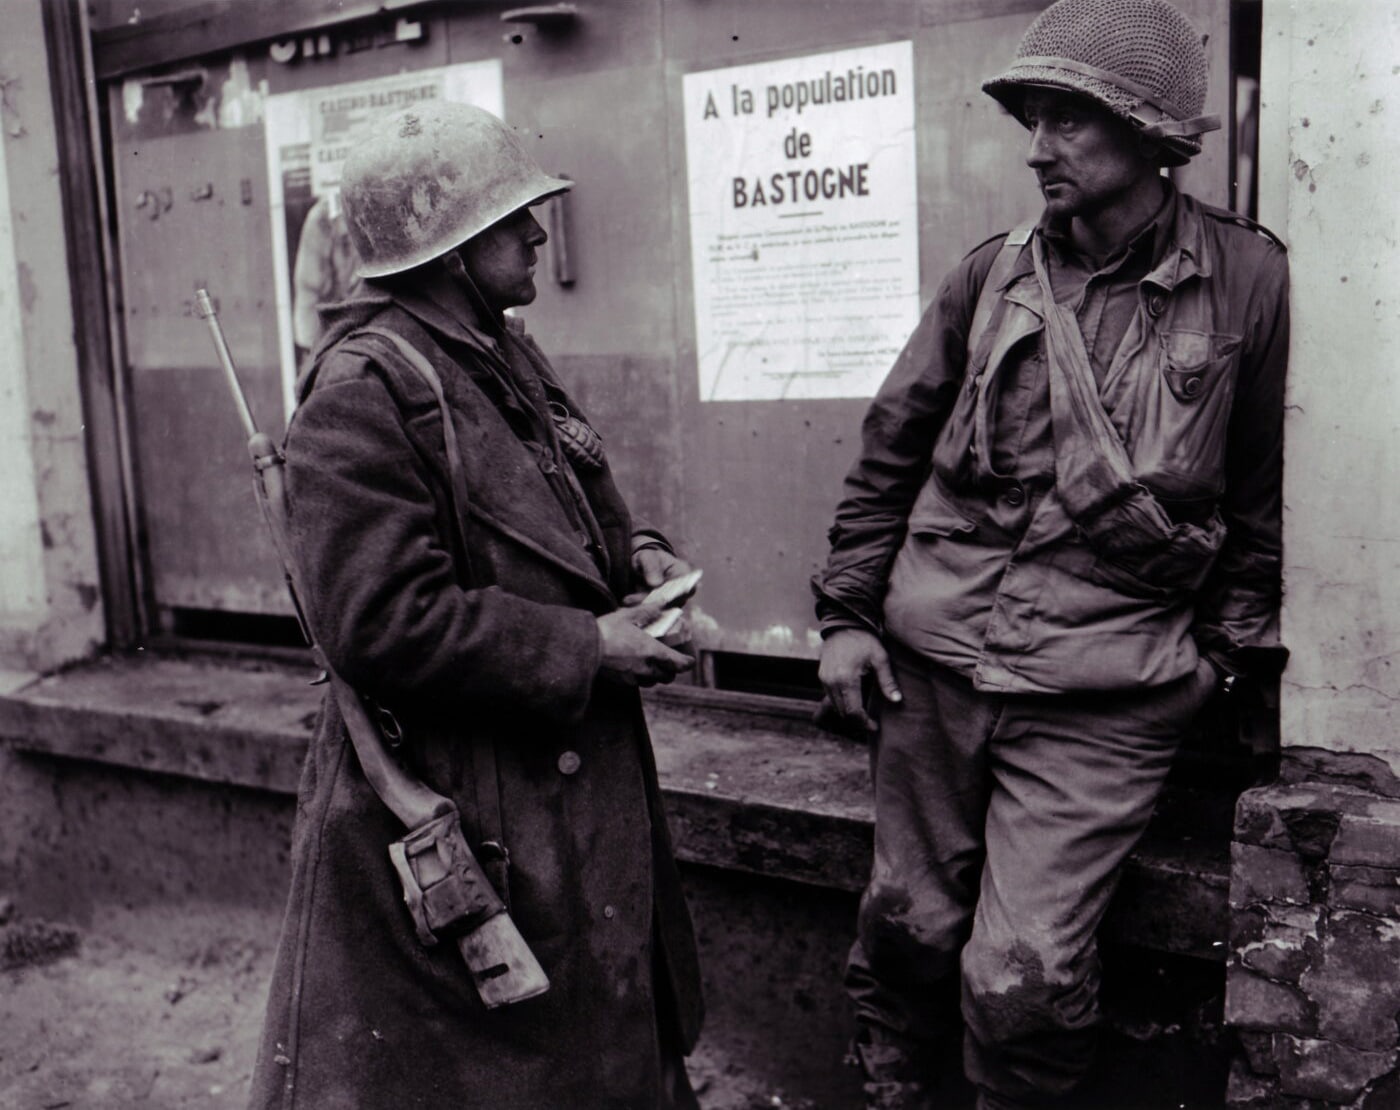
x: 494, y: 645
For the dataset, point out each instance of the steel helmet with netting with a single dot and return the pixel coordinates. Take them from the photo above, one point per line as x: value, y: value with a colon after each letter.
x: 1140, y: 59
x: 425, y: 179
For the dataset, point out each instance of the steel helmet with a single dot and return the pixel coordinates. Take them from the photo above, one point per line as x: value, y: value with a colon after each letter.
x: 1140, y: 59
x: 426, y: 179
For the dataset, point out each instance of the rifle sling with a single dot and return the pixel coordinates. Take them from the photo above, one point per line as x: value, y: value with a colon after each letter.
x: 484, y: 769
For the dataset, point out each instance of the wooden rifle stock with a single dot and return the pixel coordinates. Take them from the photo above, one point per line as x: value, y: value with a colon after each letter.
x: 444, y: 887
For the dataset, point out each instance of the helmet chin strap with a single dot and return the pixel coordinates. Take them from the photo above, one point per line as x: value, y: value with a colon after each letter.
x: 457, y: 272
x: 1171, y: 128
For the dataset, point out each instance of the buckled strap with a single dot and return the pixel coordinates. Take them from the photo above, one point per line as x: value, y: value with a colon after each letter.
x: 1166, y: 128
x: 982, y: 334
x: 444, y: 887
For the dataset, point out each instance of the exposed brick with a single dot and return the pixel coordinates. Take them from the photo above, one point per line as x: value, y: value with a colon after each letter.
x: 1257, y: 819
x: 1312, y: 830
x: 1370, y: 838
x: 1327, y: 1070
x: 1254, y: 1002
x: 1258, y: 1050
x: 1348, y: 769
x: 1302, y: 922
x: 1353, y: 984
x: 1248, y: 925
x: 1247, y: 1091
x: 1281, y: 940
x: 1385, y: 1095
x: 1266, y: 875
x: 1275, y: 959
x: 1374, y: 890
x: 1315, y: 899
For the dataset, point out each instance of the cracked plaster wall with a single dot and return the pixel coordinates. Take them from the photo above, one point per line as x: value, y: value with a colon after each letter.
x: 1315, y: 886
x: 50, y: 609
x: 1329, y: 162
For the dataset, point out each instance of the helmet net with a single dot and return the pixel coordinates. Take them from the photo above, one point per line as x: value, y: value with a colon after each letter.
x: 1148, y: 45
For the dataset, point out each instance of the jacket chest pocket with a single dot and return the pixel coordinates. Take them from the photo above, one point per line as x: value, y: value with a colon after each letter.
x: 1179, y: 435
x: 1195, y: 362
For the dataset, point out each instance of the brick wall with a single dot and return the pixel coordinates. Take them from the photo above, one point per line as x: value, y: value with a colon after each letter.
x: 1313, y: 982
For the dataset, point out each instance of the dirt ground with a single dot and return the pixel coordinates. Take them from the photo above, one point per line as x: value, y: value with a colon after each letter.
x: 161, y: 1011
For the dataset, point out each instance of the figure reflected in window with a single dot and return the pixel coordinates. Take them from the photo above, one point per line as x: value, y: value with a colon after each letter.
x: 325, y: 270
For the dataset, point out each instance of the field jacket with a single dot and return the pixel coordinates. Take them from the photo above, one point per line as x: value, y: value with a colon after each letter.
x: 1103, y: 586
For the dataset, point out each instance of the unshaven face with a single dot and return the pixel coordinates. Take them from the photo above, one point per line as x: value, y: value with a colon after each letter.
x: 1086, y: 159
x: 501, y: 260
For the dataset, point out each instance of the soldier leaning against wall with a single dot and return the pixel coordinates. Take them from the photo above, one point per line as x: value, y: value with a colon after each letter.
x: 1061, y: 537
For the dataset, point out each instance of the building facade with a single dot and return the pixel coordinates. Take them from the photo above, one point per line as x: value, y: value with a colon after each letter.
x: 150, y: 150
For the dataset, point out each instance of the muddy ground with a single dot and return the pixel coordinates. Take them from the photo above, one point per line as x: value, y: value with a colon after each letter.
x: 161, y: 1011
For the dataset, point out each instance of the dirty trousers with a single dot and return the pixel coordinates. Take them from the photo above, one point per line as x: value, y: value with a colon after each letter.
x: 1002, y: 824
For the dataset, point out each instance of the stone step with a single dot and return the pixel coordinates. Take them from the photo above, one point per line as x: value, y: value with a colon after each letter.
x: 751, y: 785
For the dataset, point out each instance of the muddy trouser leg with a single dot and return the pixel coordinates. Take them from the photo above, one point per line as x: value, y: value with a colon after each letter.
x: 929, y: 769
x: 1074, y: 780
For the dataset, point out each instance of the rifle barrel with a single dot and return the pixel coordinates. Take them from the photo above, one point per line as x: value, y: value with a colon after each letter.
x: 204, y: 305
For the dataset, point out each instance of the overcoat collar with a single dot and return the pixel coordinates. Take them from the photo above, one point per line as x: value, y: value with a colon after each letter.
x: 509, y: 494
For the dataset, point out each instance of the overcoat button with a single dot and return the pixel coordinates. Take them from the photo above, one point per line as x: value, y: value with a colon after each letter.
x: 1015, y: 495
x: 1191, y: 386
x: 609, y: 912
x: 569, y: 763
x: 1156, y: 303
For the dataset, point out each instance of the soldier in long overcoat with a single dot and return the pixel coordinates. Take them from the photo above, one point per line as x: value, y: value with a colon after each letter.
x: 478, y: 606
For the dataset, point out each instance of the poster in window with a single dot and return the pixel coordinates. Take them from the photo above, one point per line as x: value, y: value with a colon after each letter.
x: 309, y: 134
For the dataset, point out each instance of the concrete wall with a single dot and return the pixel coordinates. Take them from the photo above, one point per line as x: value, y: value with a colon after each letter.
x: 50, y: 605
x: 1329, y: 163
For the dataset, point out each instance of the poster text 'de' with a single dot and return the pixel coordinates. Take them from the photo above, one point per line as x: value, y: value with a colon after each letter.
x: 803, y: 222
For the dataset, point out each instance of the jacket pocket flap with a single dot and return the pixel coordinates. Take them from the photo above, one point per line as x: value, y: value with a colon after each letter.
x: 936, y: 514
x: 1193, y: 361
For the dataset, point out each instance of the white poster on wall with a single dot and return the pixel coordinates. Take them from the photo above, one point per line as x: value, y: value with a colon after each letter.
x: 804, y: 229
x: 309, y: 135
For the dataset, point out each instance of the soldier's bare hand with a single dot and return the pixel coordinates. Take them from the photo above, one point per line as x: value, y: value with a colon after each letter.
x: 652, y: 566
x: 633, y: 657
x: 847, y: 657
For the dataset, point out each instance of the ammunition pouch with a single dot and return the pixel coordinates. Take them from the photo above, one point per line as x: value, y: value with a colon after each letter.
x: 444, y: 887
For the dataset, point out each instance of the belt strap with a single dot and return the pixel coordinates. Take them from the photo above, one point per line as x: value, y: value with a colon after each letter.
x: 982, y: 336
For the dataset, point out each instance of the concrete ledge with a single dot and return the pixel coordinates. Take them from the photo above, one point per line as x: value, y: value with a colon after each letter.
x: 218, y: 721
x: 755, y: 790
